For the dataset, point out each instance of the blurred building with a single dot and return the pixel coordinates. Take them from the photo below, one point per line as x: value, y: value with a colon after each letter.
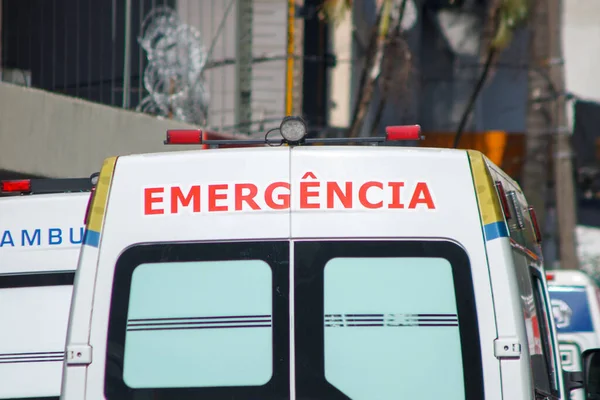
x: 90, y: 52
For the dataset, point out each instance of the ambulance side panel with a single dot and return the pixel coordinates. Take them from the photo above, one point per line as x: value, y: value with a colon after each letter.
x: 510, y: 318
x: 454, y: 220
x: 40, y: 238
x: 517, y: 272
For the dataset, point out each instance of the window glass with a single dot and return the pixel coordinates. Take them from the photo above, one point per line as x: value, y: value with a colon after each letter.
x: 383, y: 319
x: 200, y: 321
x: 199, y: 324
x: 397, y: 316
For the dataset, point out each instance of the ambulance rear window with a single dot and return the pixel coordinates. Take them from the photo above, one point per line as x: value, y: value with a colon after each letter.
x: 211, y: 317
x: 396, y: 316
x: 191, y: 308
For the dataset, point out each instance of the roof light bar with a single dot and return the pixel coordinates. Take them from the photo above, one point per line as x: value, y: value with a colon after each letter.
x: 184, y: 136
x: 503, y: 199
x: 293, y: 131
x: 403, y: 132
x: 536, y: 226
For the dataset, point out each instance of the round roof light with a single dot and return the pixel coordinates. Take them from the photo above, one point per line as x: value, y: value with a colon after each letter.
x: 293, y: 129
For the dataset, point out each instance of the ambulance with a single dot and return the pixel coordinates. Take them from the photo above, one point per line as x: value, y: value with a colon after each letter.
x: 283, y: 270
x: 575, y: 300
x: 41, y: 231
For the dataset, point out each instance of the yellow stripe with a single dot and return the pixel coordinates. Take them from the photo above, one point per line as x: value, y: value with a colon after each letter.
x: 98, y: 206
x: 289, y: 82
x: 487, y: 197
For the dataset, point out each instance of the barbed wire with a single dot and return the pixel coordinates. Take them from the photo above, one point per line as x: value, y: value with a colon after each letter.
x: 173, y: 77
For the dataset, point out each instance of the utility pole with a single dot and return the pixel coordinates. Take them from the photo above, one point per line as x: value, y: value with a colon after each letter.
x: 539, y: 116
x: 243, y: 95
x: 563, y: 168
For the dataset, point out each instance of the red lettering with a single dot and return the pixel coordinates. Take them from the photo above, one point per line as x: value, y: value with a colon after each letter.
x: 309, y: 175
x: 284, y: 198
x: 362, y: 194
x: 150, y: 199
x: 396, y: 194
x: 421, y: 195
x: 306, y: 193
x: 213, y: 196
x: 344, y: 197
x: 240, y: 197
x: 178, y: 197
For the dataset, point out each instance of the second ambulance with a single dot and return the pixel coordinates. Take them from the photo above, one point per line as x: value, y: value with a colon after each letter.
x: 41, y: 232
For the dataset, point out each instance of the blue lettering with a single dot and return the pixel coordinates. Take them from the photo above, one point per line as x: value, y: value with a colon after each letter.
x: 7, y: 239
x: 30, y: 240
x: 54, y: 236
x: 73, y: 241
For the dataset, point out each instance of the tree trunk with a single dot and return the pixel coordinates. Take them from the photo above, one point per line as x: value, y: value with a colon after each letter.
x: 539, y: 120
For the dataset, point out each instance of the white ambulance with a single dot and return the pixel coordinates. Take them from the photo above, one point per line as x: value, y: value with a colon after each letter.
x: 41, y: 231
x: 293, y: 271
x: 575, y: 299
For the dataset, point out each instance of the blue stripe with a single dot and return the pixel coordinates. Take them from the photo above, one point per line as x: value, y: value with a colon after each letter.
x: 91, y: 238
x: 495, y: 230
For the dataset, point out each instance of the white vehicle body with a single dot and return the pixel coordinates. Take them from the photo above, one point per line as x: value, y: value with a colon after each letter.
x: 576, y: 308
x: 40, y: 240
x: 309, y: 272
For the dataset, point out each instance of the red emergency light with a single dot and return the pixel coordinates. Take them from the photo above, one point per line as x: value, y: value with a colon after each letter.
x: 184, y: 136
x: 549, y: 276
x: 403, y: 132
x: 15, y: 186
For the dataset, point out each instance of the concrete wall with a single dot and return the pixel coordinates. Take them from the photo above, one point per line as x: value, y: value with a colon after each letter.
x: 45, y: 134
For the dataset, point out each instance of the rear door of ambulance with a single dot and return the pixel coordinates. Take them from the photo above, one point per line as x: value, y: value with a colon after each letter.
x: 386, y: 281
x: 40, y: 238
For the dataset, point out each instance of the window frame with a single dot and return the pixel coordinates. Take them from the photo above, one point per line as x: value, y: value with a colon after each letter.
x: 310, y: 259
x: 547, y: 342
x: 276, y: 253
